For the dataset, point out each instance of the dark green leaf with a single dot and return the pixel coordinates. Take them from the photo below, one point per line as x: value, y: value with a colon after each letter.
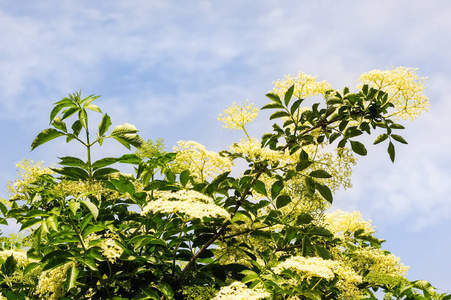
x: 126, y: 128
x: 396, y: 126
x: 103, y: 172
x: 282, y: 200
x: 166, y: 290
x: 391, y: 151
x: 129, y: 139
x: 303, y: 218
x: 320, y: 174
x: 325, y: 192
x: 381, y: 138
x: 259, y: 187
x: 71, y: 161
x: 59, y: 124
x: 302, y: 165
x: 56, y: 262
x: 130, y: 159
x: 343, y: 125
x: 358, y: 148
x: 69, y: 112
x: 72, y: 274
x: 288, y: 95
x: 104, y: 162
x: 72, y: 172
x: 295, y: 106
x: 276, y: 189
x: 398, y: 138
x: 9, y: 266
x: 274, y: 97
x: 323, y: 252
x: 333, y: 137
x: 272, y: 105
x: 342, y: 143
x: 184, y: 177
x: 45, y: 136
x: 59, y: 106
x: 279, y: 114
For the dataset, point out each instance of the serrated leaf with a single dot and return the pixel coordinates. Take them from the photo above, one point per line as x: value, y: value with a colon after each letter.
x: 104, y: 124
x: 391, y: 151
x: 71, y: 161
x: 83, y: 118
x: 45, y: 136
x: 104, y: 162
x: 288, y: 95
x: 92, y: 208
x: 325, y: 191
x: 92, y: 107
x: 274, y: 97
x: 398, y: 138
x: 279, y: 114
x: 358, y: 148
x: 381, y: 138
x: 123, y: 129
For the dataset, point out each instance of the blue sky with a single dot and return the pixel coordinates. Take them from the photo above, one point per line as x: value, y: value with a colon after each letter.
x: 170, y: 67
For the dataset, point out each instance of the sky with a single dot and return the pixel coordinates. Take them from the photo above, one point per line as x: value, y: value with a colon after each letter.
x: 170, y: 67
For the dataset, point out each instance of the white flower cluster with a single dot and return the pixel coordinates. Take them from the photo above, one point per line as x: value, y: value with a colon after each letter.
x: 51, y: 283
x: 110, y: 248
x: 191, y: 203
x: 305, y: 86
x: 308, y: 266
x: 239, y: 291
x: 342, y: 224
x: 238, y: 115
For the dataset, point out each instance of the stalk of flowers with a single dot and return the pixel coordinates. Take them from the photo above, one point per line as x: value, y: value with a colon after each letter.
x: 199, y: 161
x: 239, y: 291
x: 238, y: 115
x: 343, y: 224
x: 305, y: 86
x: 51, y: 282
x: 405, y: 90
x: 110, y: 248
x: 187, y: 202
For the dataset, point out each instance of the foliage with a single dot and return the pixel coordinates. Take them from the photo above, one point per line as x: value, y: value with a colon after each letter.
x: 182, y: 227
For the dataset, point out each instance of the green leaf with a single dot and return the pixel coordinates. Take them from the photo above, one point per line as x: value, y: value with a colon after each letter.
x: 302, y: 165
x: 45, y: 136
x: 9, y: 266
x: 320, y: 174
x: 272, y: 105
x: 71, y: 279
x: 126, y: 128
x: 274, y: 97
x: 130, y: 159
x: 323, y: 252
x: 259, y: 187
x: 398, y: 138
x: 391, y: 151
x: 30, y: 267
x: 92, y: 208
x: 288, y: 95
x: 74, y: 206
x: 304, y: 218
x: 3, y: 209
x: 279, y: 114
x: 184, y: 177
x: 69, y: 112
x: 324, y: 191
x: 71, y: 161
x: 129, y: 139
x: 92, y: 107
x: 295, y: 106
x: 104, y: 162
x: 59, y: 106
x: 59, y: 124
x: 358, y: 148
x: 76, y: 127
x: 55, y: 263
x: 397, y: 126
x: 72, y: 172
x: 276, y: 189
x: 166, y: 290
x: 101, y: 173
x: 104, y: 124
x: 282, y: 200
x: 83, y: 117
x: 381, y: 138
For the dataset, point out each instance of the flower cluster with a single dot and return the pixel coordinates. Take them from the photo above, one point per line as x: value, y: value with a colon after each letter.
x: 404, y: 87
x: 187, y: 202
x: 305, y: 86
x: 110, y: 248
x: 239, y: 291
x: 238, y: 115
x: 199, y: 161
x: 18, y: 277
x: 308, y: 266
x: 342, y: 224
x: 253, y: 150
x: 51, y: 282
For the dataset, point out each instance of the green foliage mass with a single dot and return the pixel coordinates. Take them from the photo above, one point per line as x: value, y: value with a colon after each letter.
x: 163, y: 233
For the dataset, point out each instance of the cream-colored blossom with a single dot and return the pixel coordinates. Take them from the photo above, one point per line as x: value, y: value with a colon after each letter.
x: 17, y: 277
x: 253, y: 150
x: 110, y: 249
x: 305, y: 86
x: 28, y: 172
x: 238, y: 115
x: 239, y: 291
x: 51, y: 282
x: 188, y: 202
x: 199, y: 161
x: 379, y: 261
x: 308, y: 266
x: 342, y: 224
x: 404, y: 87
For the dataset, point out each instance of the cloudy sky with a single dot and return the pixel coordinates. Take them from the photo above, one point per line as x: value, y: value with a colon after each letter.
x: 170, y: 67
